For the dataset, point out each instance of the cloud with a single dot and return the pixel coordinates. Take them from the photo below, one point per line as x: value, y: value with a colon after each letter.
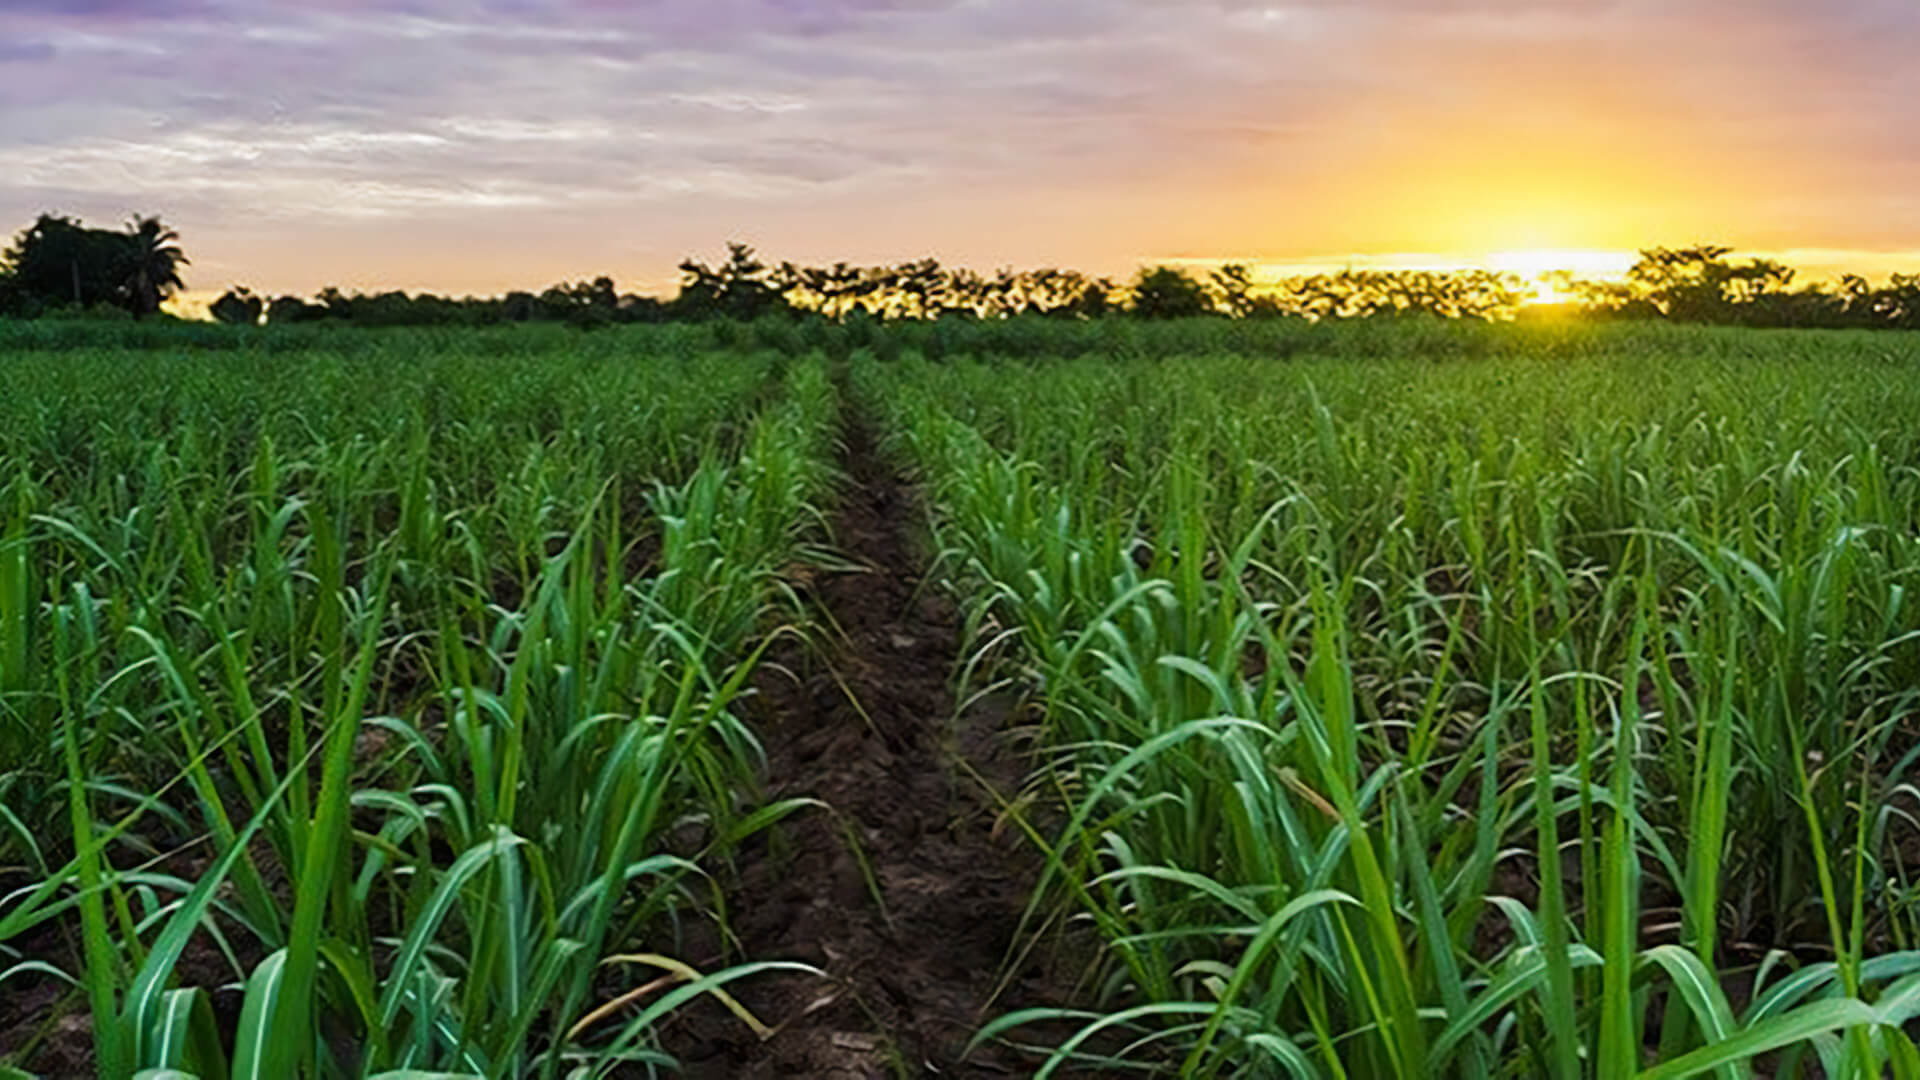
x: 17, y: 52
x: 115, y: 9
x: 1079, y: 131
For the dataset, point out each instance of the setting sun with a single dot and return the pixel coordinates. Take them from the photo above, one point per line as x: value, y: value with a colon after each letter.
x: 1582, y: 262
x: 1547, y: 270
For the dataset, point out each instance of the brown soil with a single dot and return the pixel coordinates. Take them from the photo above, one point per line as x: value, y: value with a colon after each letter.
x: 40, y: 1015
x: 866, y: 722
x: 45, y: 1023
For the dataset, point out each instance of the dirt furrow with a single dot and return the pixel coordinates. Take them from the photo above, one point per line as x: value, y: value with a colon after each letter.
x: 905, y: 892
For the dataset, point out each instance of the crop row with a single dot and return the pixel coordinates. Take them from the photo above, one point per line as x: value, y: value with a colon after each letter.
x: 1528, y: 716
x: 374, y: 712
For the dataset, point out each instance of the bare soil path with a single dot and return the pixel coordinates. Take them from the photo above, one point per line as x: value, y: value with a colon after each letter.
x: 867, y: 723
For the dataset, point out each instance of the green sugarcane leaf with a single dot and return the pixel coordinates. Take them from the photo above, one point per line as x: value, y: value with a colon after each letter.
x: 1803, y: 1023
x: 427, y: 923
x: 256, y: 1017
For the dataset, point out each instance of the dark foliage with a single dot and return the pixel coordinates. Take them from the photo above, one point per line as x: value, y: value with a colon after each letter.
x: 1166, y: 292
x: 58, y: 263
x: 1362, y: 294
x: 1697, y: 284
x: 150, y: 270
x: 742, y: 287
x: 59, y: 266
x: 238, y: 306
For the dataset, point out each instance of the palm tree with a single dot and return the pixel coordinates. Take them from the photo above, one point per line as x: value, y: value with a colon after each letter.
x: 153, y: 265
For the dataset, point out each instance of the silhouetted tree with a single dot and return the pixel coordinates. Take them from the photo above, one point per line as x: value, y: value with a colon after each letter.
x: 1232, y: 287
x: 1694, y: 284
x: 520, y: 307
x: 1363, y: 294
x: 1697, y: 284
x: 840, y: 288
x: 151, y: 267
x: 967, y: 295
x: 291, y: 309
x: 337, y: 304
x: 1681, y: 283
x: 238, y: 306
x: 57, y: 261
x: 909, y: 290
x: 601, y: 293
x: 1167, y: 292
x: 740, y: 288
x: 1095, y: 299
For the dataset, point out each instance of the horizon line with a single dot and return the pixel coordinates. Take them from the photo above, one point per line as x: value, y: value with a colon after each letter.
x: 1811, y: 264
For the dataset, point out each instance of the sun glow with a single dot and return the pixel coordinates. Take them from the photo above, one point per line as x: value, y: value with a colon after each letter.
x: 1546, y: 290
x: 1582, y: 262
x: 1547, y: 270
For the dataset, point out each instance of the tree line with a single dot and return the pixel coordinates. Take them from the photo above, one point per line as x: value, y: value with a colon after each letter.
x: 1698, y: 284
x: 58, y: 266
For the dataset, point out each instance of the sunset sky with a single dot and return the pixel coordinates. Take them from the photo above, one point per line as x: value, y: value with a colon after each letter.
x: 475, y: 147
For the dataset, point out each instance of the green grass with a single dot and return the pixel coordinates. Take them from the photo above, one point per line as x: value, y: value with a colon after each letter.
x: 1416, y: 700
x: 1544, y: 712
x: 381, y: 679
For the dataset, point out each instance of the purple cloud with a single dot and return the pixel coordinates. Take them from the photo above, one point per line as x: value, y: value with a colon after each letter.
x: 115, y: 9
x: 14, y: 52
x: 1085, y: 131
